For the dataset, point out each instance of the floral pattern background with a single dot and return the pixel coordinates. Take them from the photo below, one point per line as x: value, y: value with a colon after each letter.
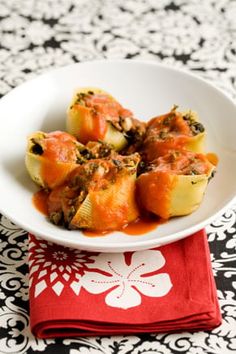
x: 37, y: 35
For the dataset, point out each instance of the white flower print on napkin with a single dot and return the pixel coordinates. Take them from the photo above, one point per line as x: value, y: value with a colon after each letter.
x: 56, y: 267
x: 127, y: 281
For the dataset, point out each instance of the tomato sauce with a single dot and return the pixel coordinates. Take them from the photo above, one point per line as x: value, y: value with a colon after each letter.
x: 212, y: 158
x: 58, y: 158
x: 166, y: 133
x: 93, y: 125
x: 59, y: 146
x: 154, y: 191
x: 40, y: 201
x: 140, y: 226
x: 154, y: 149
x: 93, y: 116
x: 54, y: 173
x: 107, y: 106
x: 183, y: 163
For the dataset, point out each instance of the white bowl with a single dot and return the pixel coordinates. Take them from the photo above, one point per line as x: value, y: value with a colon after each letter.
x: 148, y: 89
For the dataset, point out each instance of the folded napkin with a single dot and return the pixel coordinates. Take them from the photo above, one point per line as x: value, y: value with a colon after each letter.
x: 78, y: 293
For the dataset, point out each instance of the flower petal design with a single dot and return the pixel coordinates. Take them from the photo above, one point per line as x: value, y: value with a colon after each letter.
x: 154, y: 286
x: 123, y: 297
x: 146, y: 262
x: 97, y: 283
x: 112, y: 263
x: 142, y: 262
x: 127, y: 281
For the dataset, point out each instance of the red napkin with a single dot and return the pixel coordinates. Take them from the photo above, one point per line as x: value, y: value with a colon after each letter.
x: 75, y: 293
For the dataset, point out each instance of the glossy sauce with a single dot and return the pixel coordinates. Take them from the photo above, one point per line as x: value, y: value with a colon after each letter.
x: 58, y: 158
x: 183, y: 163
x: 107, y: 106
x: 40, y: 201
x: 176, y: 134
x: 92, y: 126
x: 115, y: 206
x: 212, y: 158
x: 55, y: 173
x: 93, y: 116
x: 155, y: 149
x: 59, y: 146
x: 140, y: 226
x: 154, y: 191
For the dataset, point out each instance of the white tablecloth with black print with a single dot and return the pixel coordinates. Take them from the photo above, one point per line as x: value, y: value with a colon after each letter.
x: 39, y: 35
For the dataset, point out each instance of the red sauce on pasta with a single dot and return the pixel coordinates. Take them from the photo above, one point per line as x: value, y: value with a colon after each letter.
x: 112, y: 202
x: 58, y: 158
x: 40, y: 201
x: 212, y: 158
x: 140, y: 226
x: 93, y: 116
x: 154, y: 191
x: 165, y: 133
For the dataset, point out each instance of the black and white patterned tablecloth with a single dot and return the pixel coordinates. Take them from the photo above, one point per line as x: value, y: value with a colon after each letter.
x: 37, y: 35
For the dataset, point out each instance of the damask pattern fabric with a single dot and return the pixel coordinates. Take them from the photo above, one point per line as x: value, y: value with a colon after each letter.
x: 38, y: 35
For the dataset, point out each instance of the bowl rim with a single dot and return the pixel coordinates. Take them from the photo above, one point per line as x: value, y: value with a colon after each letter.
x: 132, y: 245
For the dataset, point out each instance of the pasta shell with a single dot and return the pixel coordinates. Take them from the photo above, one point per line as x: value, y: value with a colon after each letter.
x: 45, y: 170
x: 86, y: 127
x: 167, y: 193
x: 173, y: 131
x: 33, y: 164
x: 33, y: 157
x: 115, y: 138
x: 195, y: 143
x: 108, y: 209
x: 187, y: 194
x: 83, y: 218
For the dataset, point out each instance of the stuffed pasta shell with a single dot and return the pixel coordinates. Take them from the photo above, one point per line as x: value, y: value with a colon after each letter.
x: 94, y: 115
x: 50, y: 157
x: 98, y: 195
x: 174, y: 184
x: 173, y: 131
